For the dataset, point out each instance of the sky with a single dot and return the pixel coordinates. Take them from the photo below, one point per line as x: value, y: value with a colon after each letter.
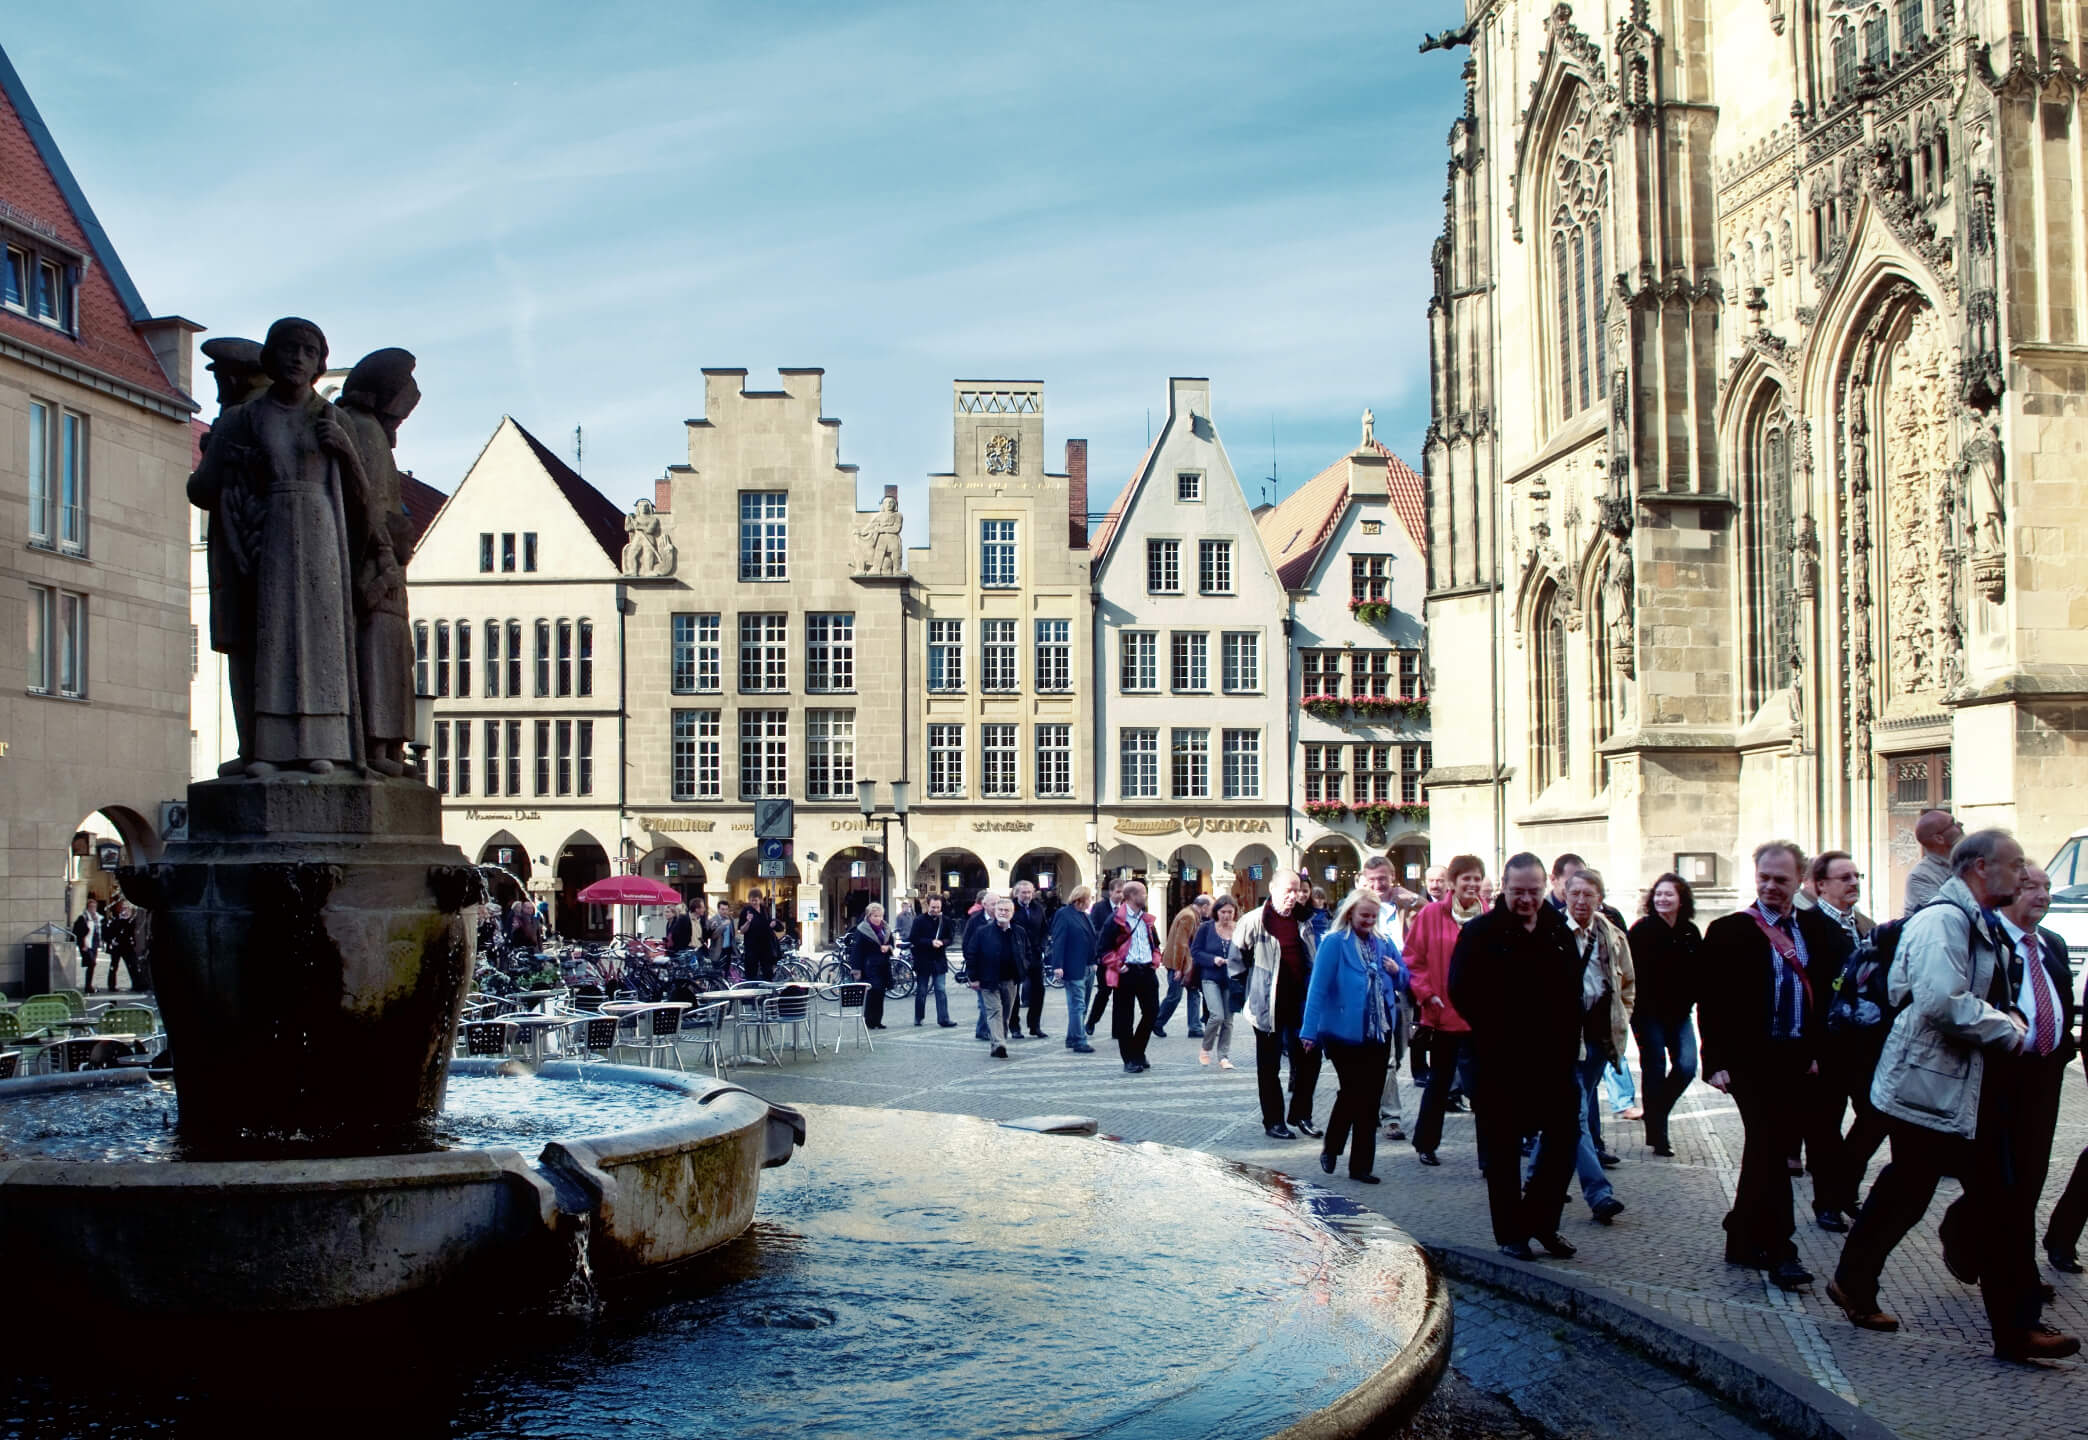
x: 567, y: 212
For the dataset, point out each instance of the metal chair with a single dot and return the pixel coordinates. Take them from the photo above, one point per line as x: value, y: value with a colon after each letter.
x: 42, y: 1013
x: 127, y: 1020
x: 10, y: 1064
x: 660, y: 1033
x: 851, y: 996
x: 594, y: 1037
x: 486, y: 1037
x: 704, y: 1025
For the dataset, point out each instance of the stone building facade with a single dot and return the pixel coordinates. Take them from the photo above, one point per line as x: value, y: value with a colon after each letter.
x: 95, y: 450
x: 997, y: 667
x: 1348, y: 549
x: 1755, y: 496
x: 1190, y: 715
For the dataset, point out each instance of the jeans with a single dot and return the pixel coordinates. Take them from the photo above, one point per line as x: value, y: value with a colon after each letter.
x: 1138, y: 989
x: 1362, y: 1068
x: 1270, y: 1048
x: 940, y: 984
x: 1618, y: 1087
x: 1079, y: 990
x: 1594, y: 1180
x: 1174, y: 998
x: 1218, y: 1019
x: 1668, y: 1055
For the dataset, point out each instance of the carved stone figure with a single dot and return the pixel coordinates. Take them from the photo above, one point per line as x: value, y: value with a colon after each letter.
x: 877, y: 539
x: 378, y: 395
x: 1001, y: 455
x: 236, y: 364
x: 1617, y: 602
x: 281, y: 469
x: 650, y: 550
x: 1369, y: 427
x: 1980, y: 464
x: 1918, y: 514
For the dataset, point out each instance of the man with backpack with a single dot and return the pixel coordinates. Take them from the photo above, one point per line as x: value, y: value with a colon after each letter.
x: 1855, y: 1035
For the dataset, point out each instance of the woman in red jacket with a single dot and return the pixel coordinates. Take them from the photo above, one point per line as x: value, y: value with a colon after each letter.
x: 1430, y: 939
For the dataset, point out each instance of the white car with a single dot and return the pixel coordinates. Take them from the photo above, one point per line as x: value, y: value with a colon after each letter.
x: 2068, y: 917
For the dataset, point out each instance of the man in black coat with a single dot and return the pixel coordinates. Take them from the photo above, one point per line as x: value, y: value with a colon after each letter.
x: 930, y: 942
x: 1515, y: 976
x: 994, y: 956
x: 680, y: 930
x: 1769, y: 971
x: 1033, y: 919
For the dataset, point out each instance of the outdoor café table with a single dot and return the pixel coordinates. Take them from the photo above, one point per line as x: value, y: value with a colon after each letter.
x: 737, y: 998
x: 537, y: 999
x: 58, y: 1056
x: 531, y: 1026
x: 638, y: 1010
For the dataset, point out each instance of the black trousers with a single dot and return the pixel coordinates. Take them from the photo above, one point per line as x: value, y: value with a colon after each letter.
x: 1781, y: 1104
x: 1270, y: 1049
x: 1033, y: 997
x: 1103, y: 991
x: 1999, y: 1226
x: 1353, y: 1123
x: 1137, y: 990
x: 1848, y: 1070
x: 1417, y: 1052
x: 2070, y: 1215
x: 2034, y: 1115
x: 1509, y: 1104
x: 873, y: 1006
x: 1446, y: 1051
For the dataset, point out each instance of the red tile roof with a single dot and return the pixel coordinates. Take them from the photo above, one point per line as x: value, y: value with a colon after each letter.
x: 1297, y: 529
x: 1098, y: 543
x: 422, y: 501
x: 596, y: 511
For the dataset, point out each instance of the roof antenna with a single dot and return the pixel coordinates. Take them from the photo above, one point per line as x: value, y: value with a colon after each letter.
x: 1149, y: 427
x: 1273, y: 482
x: 576, y: 447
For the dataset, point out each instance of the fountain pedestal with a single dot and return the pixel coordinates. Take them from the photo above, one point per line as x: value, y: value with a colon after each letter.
x: 311, y: 954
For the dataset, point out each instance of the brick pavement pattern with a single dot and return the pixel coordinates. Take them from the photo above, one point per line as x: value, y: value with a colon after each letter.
x: 1934, y: 1380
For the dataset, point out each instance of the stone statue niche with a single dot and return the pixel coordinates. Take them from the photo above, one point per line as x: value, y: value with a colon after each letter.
x: 650, y: 552
x: 877, y: 539
x: 312, y: 947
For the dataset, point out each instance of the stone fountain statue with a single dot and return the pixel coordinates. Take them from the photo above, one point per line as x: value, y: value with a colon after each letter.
x: 313, y: 955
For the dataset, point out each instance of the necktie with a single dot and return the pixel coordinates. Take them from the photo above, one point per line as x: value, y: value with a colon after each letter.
x: 2044, y: 1032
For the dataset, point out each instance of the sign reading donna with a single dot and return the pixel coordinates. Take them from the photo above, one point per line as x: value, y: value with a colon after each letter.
x: 1195, y: 825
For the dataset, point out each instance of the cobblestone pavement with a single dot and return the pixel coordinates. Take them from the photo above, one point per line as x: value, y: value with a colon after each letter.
x: 1935, y: 1380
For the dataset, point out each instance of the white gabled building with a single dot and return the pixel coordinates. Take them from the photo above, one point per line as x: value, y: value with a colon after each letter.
x: 1348, y: 547
x: 1190, y: 709
x: 518, y: 633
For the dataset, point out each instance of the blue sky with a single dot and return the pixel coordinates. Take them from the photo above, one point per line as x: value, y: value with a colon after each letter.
x: 567, y: 212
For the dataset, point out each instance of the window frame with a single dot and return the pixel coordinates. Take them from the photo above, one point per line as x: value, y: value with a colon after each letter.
x: 1052, y: 659
x: 1233, y: 645
x: 1054, y: 759
x: 1189, y: 662
x: 1000, y: 747
x: 999, y: 565
x: 1138, y: 762
x: 1183, y: 745
x: 1214, y: 553
x: 830, y: 750
x: 768, y: 774
x: 764, y: 549
x: 1000, y: 665
x: 830, y: 652
x: 1194, y: 487
x: 1163, y: 566
x: 945, y: 761
x: 1138, y: 660
x: 768, y: 652
x: 1240, y: 751
x: 946, y: 656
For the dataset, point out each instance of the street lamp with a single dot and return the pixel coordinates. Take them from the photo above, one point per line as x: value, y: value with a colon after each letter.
x: 866, y: 801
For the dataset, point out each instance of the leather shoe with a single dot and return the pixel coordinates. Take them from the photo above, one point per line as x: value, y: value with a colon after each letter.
x: 1961, y: 1266
x: 946, y: 1024
x: 1083, y: 1049
x: 1790, y: 1275
x: 1558, y: 1246
x: 2064, y: 1261
x: 1306, y: 1127
x: 1831, y: 1220
x: 1326, y: 1162
x: 1863, y: 1314
x: 1608, y: 1209
x: 2039, y: 1342
x: 1038, y: 1035
x: 1664, y: 1150
x: 999, y: 1052
x: 1520, y: 1250
x: 1158, y: 1033
x: 1427, y: 1157
x: 1365, y: 1179
x: 1607, y: 1160
x: 1279, y: 1132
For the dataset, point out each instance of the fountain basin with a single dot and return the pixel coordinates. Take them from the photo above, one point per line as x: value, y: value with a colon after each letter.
x: 170, y: 1237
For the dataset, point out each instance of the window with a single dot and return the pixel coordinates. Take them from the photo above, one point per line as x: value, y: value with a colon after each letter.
x: 492, y: 659
x: 57, y: 478
x: 507, y: 552
x: 945, y: 760
x: 764, y: 654
x: 1320, y: 672
x: 1054, y: 656
x: 1844, y: 63
x: 565, y: 659
x: 1373, y: 774
x: 1579, y: 193
x: 830, y: 754
x: 195, y: 651
x: 529, y: 551
x: 464, y: 659
x: 945, y: 654
x: 830, y: 657
x: 1054, y: 760
x: 1214, y: 570
x: 1192, y: 764
x: 764, y: 753
x: 543, y: 757
x: 694, y: 661
x: 485, y: 552
x: 585, y: 750
x: 695, y: 760
x: 14, y: 280
x: 764, y: 535
x: 543, y: 658
x: 442, y: 756
x: 997, y: 554
x: 1138, y: 764
x: 514, y: 659
x: 514, y: 757
x: 1409, y: 674
x: 1370, y: 674
x: 1910, y: 25
x: 565, y: 757
x: 1242, y: 662
x: 1164, y: 567
x: 1768, y: 535
x: 57, y: 642
x: 1242, y: 764
x: 1191, y: 660
x: 1550, y: 694
x: 442, y: 658
x: 52, y: 302
x: 1370, y: 577
x: 1323, y: 774
x: 492, y: 757
x: 1418, y: 760
x: 997, y: 761
x: 1189, y: 488
x: 587, y: 657
x: 43, y: 528
x: 997, y: 655
x: 1877, y: 43
x: 420, y: 658
x: 463, y: 750
x: 1138, y: 661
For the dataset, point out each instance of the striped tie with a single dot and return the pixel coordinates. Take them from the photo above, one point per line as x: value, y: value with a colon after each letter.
x: 2044, y: 1037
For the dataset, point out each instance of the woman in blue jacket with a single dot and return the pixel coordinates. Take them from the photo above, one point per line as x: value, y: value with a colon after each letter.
x: 1348, y: 1011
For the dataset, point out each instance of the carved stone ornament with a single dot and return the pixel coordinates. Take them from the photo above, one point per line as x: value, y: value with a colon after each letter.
x: 1001, y: 455
x: 1979, y: 467
x: 1618, y: 597
x: 877, y: 539
x: 650, y: 552
x: 1919, y: 514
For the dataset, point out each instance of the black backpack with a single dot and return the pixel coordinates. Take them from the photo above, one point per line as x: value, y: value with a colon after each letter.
x: 1860, y: 1005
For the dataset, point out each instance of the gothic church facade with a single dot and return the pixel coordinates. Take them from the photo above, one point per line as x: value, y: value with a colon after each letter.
x: 1757, y: 503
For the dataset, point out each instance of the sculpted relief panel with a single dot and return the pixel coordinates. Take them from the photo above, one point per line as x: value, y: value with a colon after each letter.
x: 1924, y: 637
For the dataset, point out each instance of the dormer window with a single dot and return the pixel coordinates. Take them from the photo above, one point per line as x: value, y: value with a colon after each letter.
x: 39, y: 286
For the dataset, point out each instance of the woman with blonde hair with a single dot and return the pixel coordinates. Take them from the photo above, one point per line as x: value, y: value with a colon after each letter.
x: 1348, y: 1011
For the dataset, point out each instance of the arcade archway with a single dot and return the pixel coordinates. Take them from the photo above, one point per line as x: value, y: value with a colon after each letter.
x: 677, y: 868
x: 1055, y: 873
x: 848, y: 882
x: 503, y: 849
x: 1253, y: 869
x: 958, y: 874
x: 743, y: 878
x: 1332, y: 863
x: 580, y: 862
x: 1188, y: 876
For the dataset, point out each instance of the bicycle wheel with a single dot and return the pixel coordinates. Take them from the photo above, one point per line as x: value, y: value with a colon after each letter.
x: 835, y: 972
x: 902, y: 980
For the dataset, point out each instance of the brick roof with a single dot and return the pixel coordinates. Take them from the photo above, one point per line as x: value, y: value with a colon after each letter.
x: 596, y: 511
x: 36, y: 182
x: 422, y: 501
x: 1297, y: 529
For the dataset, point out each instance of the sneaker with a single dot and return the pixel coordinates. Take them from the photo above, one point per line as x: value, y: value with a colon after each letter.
x: 999, y: 1052
x: 1279, y: 1132
x: 1203, y: 1057
x: 1228, y: 1065
x: 1427, y: 1157
x: 1083, y: 1049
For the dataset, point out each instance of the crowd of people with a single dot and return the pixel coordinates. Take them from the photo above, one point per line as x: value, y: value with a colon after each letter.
x: 1944, y: 1032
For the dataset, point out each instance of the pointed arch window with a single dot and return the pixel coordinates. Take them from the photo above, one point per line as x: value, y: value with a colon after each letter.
x: 1770, y: 508
x: 1551, y: 697
x: 1580, y: 193
x: 1844, y: 63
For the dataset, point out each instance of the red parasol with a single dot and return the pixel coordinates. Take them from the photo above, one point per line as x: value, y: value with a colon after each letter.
x: 629, y: 890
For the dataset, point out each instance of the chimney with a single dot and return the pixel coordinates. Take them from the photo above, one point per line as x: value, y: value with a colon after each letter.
x: 1076, y: 493
x: 663, y: 493
x: 168, y: 336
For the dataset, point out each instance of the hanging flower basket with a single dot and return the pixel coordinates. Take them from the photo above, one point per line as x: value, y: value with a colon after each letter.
x: 1370, y: 612
x: 1325, y: 707
x: 1414, y: 814
x: 1414, y: 710
x: 1377, y: 817
x: 1374, y: 707
x: 1327, y: 812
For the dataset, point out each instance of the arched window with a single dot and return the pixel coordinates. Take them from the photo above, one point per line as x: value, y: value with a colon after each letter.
x: 1580, y: 193
x: 1910, y: 25
x: 1877, y: 39
x: 1844, y: 63
x: 1550, y: 697
x: 1770, y: 514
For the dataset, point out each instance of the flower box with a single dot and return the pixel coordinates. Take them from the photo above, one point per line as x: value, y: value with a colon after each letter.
x: 1326, y: 707
x: 1327, y: 812
x: 1370, y: 612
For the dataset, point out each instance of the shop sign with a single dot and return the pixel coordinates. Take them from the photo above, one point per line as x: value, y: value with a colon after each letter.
x: 503, y: 815
x: 984, y: 825
x: 669, y: 824
x: 1195, y: 825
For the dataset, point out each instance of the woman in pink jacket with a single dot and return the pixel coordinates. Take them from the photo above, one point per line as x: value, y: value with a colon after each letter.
x: 1430, y: 939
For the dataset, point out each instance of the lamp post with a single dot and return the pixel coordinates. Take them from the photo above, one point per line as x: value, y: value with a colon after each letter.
x: 866, y: 801
x: 423, y: 732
